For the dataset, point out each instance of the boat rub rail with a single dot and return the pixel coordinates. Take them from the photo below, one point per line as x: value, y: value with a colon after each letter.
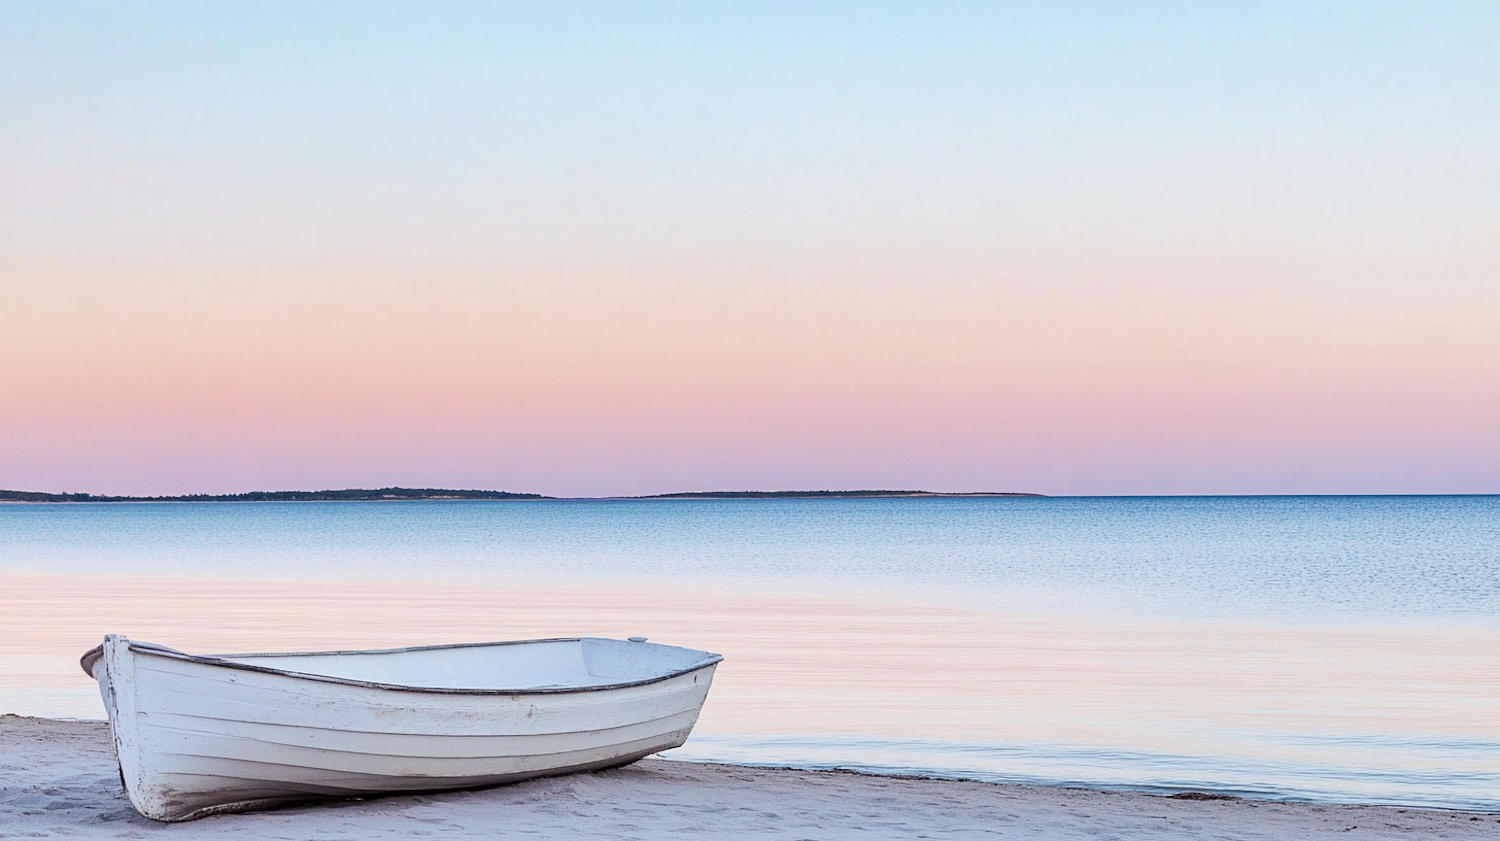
x: 92, y: 656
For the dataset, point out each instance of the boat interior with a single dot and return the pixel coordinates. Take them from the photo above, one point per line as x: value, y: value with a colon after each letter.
x: 543, y: 664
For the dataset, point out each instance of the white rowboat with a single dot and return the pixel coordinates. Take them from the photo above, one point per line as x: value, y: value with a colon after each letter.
x: 197, y: 735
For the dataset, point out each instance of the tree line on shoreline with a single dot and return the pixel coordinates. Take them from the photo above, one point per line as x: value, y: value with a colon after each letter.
x: 349, y: 495
x: 400, y: 494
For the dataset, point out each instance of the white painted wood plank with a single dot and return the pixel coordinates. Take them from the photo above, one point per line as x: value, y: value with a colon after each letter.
x: 196, y: 735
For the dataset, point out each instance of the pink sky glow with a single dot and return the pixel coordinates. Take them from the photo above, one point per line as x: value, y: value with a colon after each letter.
x: 1091, y: 249
x: 630, y: 386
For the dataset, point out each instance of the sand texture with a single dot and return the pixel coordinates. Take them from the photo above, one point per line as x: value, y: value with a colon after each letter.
x: 58, y: 780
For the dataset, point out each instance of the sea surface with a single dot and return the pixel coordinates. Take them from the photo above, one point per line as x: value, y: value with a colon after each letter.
x: 1342, y: 649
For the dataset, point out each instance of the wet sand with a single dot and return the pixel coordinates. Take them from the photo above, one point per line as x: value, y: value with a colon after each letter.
x: 58, y: 780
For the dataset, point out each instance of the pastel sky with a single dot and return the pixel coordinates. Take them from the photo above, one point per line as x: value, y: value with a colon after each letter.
x: 604, y: 248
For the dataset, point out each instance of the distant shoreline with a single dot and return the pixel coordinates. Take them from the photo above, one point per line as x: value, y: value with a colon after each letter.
x: 419, y: 494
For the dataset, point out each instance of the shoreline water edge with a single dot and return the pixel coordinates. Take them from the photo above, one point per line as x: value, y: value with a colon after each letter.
x: 59, y: 777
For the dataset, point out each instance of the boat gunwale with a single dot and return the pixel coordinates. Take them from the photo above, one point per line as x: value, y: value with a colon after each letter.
x: 93, y: 655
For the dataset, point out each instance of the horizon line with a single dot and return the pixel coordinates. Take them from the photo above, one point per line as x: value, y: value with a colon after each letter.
x: 401, y: 494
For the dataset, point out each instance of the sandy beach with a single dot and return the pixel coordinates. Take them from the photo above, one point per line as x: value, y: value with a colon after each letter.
x: 58, y: 779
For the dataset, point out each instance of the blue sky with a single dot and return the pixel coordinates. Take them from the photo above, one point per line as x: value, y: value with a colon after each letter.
x: 1277, y: 219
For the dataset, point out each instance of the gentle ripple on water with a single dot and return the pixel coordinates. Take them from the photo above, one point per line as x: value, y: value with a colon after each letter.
x: 1328, y: 648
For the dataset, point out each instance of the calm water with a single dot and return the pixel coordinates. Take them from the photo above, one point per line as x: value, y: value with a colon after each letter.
x: 1337, y: 648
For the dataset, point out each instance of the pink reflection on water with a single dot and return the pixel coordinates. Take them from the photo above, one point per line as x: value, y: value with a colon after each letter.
x: 827, y: 666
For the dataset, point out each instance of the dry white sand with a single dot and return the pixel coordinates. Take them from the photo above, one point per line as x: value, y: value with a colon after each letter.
x: 58, y: 780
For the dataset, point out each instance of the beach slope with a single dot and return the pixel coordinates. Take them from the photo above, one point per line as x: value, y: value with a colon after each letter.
x: 58, y: 779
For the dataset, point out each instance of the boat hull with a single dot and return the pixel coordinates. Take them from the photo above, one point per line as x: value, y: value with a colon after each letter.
x: 196, y: 738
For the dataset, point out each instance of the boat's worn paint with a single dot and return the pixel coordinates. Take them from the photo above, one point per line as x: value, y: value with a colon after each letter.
x: 198, y: 735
